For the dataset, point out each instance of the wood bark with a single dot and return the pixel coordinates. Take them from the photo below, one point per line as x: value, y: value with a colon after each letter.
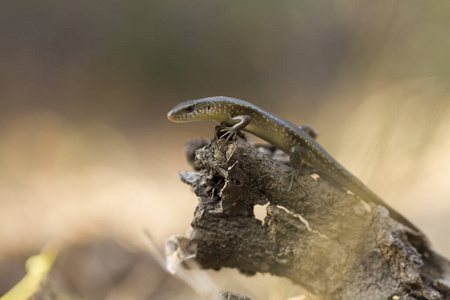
x: 317, y: 234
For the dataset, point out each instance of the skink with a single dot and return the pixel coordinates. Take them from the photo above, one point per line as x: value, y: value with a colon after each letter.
x: 301, y: 147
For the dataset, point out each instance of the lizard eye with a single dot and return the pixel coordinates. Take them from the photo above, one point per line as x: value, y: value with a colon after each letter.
x: 189, y: 109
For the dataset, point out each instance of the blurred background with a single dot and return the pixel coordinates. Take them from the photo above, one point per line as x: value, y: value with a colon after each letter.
x: 89, y: 159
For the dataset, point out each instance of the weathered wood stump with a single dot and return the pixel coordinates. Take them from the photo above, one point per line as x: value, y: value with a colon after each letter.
x: 317, y: 234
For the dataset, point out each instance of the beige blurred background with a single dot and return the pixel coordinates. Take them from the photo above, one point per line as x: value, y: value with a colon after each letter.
x: 86, y: 151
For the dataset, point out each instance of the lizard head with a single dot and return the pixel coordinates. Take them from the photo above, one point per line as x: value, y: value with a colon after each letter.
x: 197, y: 110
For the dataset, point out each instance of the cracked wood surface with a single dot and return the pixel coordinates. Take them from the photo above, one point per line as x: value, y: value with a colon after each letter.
x: 317, y: 234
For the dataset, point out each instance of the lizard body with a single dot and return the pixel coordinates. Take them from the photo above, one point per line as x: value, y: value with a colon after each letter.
x: 300, y: 146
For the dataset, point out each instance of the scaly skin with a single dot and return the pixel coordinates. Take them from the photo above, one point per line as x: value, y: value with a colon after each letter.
x: 242, y: 115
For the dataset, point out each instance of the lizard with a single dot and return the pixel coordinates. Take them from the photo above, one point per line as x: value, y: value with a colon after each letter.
x: 298, y: 144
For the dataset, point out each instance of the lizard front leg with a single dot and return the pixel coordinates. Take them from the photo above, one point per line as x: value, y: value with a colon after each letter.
x: 241, y: 122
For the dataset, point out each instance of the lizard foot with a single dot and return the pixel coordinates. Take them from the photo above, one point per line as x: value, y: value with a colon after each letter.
x: 230, y: 133
x: 293, y: 174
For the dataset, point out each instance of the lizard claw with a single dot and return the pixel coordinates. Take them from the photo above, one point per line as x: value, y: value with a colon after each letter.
x: 293, y: 174
x: 229, y: 134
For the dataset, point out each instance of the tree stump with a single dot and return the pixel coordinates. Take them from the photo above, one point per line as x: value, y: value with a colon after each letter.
x: 317, y: 234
